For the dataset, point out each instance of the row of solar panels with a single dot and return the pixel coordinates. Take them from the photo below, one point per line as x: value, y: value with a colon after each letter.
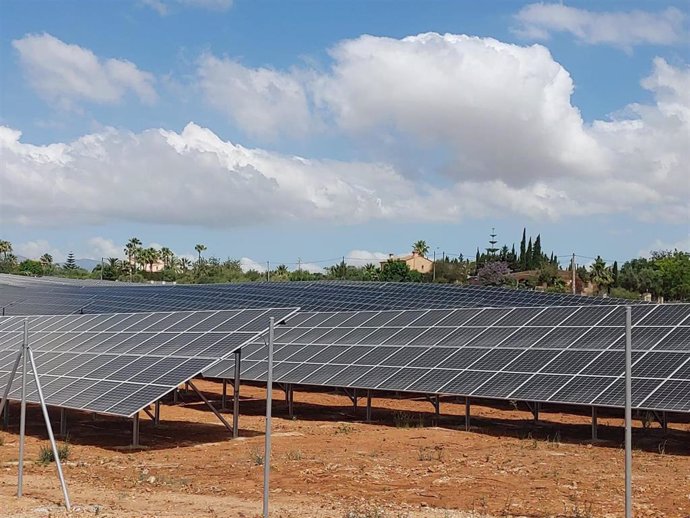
x: 119, y: 364
x: 568, y: 355
x: 310, y: 296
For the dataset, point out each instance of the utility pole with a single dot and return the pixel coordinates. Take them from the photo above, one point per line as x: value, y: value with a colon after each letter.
x: 268, y: 271
x: 101, y: 268
x: 433, y: 275
x: 299, y: 268
x: 344, y: 268
x: 573, y: 273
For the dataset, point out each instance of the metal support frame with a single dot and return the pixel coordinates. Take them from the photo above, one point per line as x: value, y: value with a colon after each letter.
x: 467, y: 414
x: 210, y: 405
x: 290, y: 391
x: 26, y: 356
x: 534, y: 408
x: 175, y: 394
x: 148, y: 412
x: 63, y: 422
x: 135, y: 430
x: 224, y: 397
x: 436, y: 403
x: 628, y: 412
x: 6, y: 416
x: 157, y: 413
x: 269, y: 402
x: 368, y: 406
x: 595, y: 424
x: 236, y: 396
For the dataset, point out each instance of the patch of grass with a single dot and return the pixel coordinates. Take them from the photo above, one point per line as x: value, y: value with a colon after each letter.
x: 344, y: 428
x: 579, y: 511
x: 408, y: 420
x: 661, y: 447
x: 45, y: 454
x: 294, y: 455
x: 366, y: 511
x: 427, y: 454
x: 256, y: 456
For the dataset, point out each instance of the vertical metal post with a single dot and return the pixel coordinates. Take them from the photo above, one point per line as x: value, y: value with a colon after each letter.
x: 63, y: 423
x: 595, y: 427
x: 6, y: 416
x: 664, y: 421
x: 535, y: 411
x: 269, y: 394
x: 467, y: 414
x: 354, y: 401
x: 437, y: 405
x: 224, y: 397
x: 46, y: 417
x: 22, y: 419
x: 236, y: 396
x: 574, y: 275
x: 175, y: 390
x: 291, y: 401
x: 135, y: 431
x: 368, y: 406
x: 157, y: 413
x: 628, y: 412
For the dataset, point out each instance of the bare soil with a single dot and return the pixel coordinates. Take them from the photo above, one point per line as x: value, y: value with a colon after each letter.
x: 328, y: 462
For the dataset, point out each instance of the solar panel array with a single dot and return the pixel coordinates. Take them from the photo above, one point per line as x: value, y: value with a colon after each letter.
x: 571, y: 355
x: 120, y: 363
x: 310, y: 296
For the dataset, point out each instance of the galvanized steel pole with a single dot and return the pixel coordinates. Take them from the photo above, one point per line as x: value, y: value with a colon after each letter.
x: 628, y: 412
x: 53, y: 445
x: 22, y: 419
x: 269, y: 390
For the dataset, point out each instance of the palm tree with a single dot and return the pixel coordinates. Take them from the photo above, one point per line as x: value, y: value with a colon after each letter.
x: 184, y: 264
x: 131, y: 250
x: 600, y: 274
x: 167, y: 257
x: 199, y: 249
x: 5, y: 248
x: 421, y: 248
x: 46, y: 262
x: 149, y: 256
x: 282, y: 270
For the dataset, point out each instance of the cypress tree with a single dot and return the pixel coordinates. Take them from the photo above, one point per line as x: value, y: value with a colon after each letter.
x: 614, y: 273
x: 536, y: 252
x: 528, y: 256
x: 523, y: 250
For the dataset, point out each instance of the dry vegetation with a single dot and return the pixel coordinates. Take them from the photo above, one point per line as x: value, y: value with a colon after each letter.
x: 326, y: 463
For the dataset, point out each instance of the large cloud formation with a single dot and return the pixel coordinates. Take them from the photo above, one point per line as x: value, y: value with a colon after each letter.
x: 495, y: 120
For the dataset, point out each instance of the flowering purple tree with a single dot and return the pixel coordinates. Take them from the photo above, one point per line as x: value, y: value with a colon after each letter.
x: 494, y: 273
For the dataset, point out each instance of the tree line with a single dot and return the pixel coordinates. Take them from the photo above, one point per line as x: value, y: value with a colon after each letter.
x: 664, y: 274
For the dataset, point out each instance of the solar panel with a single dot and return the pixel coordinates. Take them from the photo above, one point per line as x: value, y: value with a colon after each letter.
x: 571, y: 355
x: 53, y: 298
x: 134, y: 363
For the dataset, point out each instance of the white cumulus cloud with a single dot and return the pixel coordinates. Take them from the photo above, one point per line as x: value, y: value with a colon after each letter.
x: 66, y: 73
x: 250, y: 264
x: 362, y: 257
x: 620, y: 29
x: 260, y: 100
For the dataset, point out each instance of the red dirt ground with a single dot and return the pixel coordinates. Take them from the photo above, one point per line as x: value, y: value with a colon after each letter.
x: 328, y: 463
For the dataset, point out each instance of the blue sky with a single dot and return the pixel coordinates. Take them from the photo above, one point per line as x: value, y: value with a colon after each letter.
x: 411, y: 120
